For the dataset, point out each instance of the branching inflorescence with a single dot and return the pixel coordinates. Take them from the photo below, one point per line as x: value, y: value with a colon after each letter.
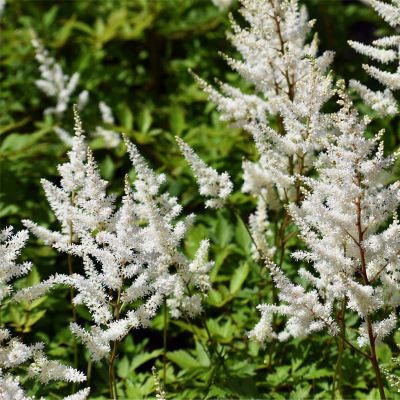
x: 14, y: 353
x: 317, y: 175
x: 130, y: 255
x: 384, y: 50
x: 349, y: 223
x: 290, y: 88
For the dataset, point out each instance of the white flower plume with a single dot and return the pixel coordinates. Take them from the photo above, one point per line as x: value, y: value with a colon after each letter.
x: 342, y: 221
x: 11, y: 245
x: 14, y: 353
x: 216, y: 186
x: 283, y: 113
x: 384, y: 50
x: 131, y: 255
x: 54, y: 82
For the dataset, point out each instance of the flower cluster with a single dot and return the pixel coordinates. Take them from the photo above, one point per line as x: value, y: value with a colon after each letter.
x: 354, y: 257
x: 14, y: 353
x: 216, y: 186
x: 384, y: 50
x: 11, y: 245
x: 54, y: 83
x: 131, y: 258
x: 110, y: 137
x: 291, y: 87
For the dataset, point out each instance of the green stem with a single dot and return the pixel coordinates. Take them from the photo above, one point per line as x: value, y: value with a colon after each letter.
x: 165, y: 332
x: 337, y: 377
x: 71, y: 293
x: 111, y: 373
x: 89, y: 372
x: 112, y: 382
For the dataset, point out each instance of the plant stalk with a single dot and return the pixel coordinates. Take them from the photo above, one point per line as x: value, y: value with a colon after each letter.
x: 165, y: 332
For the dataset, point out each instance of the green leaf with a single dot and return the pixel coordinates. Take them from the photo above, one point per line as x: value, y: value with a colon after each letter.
x: 33, y: 318
x: 384, y: 353
x: 242, y: 236
x: 238, y: 277
x: 301, y: 392
x: 223, y: 232
x: 123, y: 367
x: 183, y: 359
x: 177, y: 120
x: 107, y: 168
x: 145, y: 120
x: 17, y: 142
x: 143, y: 358
x: 126, y: 116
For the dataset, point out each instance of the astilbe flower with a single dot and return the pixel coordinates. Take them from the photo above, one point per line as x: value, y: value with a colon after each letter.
x: 55, y: 83
x: 384, y: 50
x: 111, y: 138
x: 14, y: 353
x: 355, y: 256
x: 216, y: 186
x: 131, y: 257
x: 290, y: 88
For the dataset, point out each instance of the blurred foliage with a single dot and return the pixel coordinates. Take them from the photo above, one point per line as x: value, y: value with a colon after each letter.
x: 135, y: 56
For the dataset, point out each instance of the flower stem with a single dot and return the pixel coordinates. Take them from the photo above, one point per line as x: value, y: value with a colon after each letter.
x: 111, y: 373
x: 337, y: 376
x: 165, y: 332
x: 374, y: 360
x: 372, y: 357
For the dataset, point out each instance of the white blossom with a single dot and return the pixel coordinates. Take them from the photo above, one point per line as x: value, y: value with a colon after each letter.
x: 130, y: 255
x: 11, y: 245
x: 64, y: 135
x: 389, y: 11
x: 383, y: 50
x: 383, y: 103
x: 216, y: 186
x: 111, y: 138
x: 342, y: 221
x: 260, y: 230
x: 291, y: 85
x: 14, y: 353
x: 380, y: 330
x: 54, y: 82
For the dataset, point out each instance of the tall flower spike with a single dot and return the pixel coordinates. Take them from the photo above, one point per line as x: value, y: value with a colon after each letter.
x: 216, y: 186
x: 384, y: 50
x: 283, y: 110
x: 353, y: 252
x: 13, y: 353
x: 131, y: 257
x: 54, y: 82
x: 80, y: 202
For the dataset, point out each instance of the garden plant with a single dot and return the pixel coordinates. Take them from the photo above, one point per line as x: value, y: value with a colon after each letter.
x: 199, y: 199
